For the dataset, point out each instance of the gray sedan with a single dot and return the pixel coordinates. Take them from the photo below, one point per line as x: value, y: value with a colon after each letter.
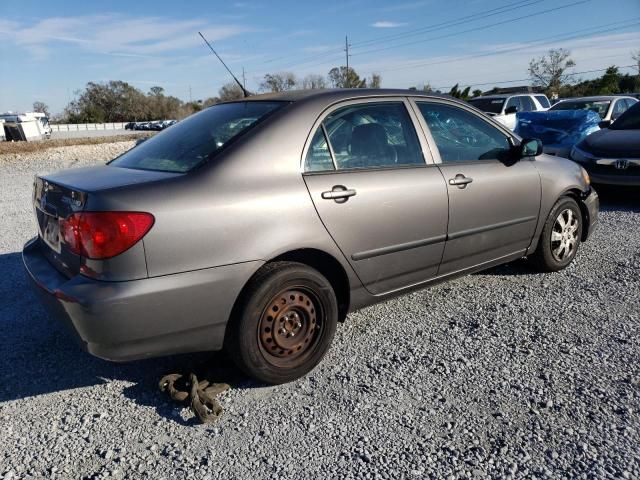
x: 257, y: 225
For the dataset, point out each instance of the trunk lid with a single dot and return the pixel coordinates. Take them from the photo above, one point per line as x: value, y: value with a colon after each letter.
x: 60, y: 194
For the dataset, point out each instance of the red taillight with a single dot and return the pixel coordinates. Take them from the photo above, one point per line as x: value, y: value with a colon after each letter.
x: 100, y: 235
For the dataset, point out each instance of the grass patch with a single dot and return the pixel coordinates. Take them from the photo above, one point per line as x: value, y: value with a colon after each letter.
x: 39, y: 146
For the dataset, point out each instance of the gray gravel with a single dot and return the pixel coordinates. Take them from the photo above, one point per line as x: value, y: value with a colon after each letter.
x: 504, y: 374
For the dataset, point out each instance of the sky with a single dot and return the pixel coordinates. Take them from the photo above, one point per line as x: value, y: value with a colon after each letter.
x: 49, y: 50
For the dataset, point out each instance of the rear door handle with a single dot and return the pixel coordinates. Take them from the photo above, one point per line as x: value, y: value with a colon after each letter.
x: 339, y: 193
x: 460, y: 180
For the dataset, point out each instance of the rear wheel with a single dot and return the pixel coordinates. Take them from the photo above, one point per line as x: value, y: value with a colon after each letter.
x: 284, y: 323
x: 560, y: 237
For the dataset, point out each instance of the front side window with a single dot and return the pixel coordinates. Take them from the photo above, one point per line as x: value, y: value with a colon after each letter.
x: 513, y: 102
x: 370, y: 135
x: 629, y: 120
x: 462, y: 136
x: 619, y: 108
x: 196, y: 139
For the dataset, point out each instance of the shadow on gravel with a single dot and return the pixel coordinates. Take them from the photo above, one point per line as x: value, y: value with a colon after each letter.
x: 614, y: 198
x: 39, y: 355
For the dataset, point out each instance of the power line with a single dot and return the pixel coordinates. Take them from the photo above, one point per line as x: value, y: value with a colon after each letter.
x: 527, y: 79
x: 483, y: 27
x: 437, y: 26
x: 533, y: 43
x: 451, y: 23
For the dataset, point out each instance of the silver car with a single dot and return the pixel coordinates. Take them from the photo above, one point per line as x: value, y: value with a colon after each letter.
x: 257, y: 225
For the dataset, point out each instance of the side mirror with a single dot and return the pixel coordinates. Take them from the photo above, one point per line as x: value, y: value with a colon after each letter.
x: 530, y: 147
x: 605, y: 124
x: 511, y: 109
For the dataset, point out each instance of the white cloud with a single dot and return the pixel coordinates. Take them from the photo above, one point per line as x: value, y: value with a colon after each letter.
x: 115, y: 34
x: 387, y: 24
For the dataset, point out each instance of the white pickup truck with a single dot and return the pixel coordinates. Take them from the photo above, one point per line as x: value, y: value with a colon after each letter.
x: 503, y: 108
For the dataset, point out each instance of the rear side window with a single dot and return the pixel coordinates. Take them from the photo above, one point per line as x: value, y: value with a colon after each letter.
x: 543, y: 100
x: 462, y: 136
x: 198, y: 138
x: 370, y: 135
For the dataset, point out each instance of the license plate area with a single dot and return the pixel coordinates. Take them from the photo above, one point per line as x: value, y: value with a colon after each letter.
x: 49, y: 230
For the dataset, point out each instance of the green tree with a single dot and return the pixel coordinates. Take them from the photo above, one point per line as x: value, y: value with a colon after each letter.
x: 340, y: 77
x: 550, y: 71
x: 455, y: 92
x: 313, y: 82
x: 610, y: 81
x: 375, y: 81
x: 41, y: 107
x: 278, y: 82
x: 477, y: 92
x: 230, y: 91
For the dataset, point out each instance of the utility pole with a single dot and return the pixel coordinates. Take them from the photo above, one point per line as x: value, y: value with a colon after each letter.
x: 346, y: 50
x: 244, y: 80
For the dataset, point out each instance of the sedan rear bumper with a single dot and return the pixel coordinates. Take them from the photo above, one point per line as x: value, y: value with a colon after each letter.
x: 120, y: 321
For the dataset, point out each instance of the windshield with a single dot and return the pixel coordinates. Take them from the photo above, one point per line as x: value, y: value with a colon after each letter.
x: 489, y: 105
x: 598, y: 106
x: 629, y: 120
x: 196, y: 139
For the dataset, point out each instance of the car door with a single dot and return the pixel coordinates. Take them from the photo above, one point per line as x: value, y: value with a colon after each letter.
x: 383, y: 204
x: 494, y: 201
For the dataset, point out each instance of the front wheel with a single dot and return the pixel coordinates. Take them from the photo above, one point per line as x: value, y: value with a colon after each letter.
x: 284, y: 323
x: 560, y: 237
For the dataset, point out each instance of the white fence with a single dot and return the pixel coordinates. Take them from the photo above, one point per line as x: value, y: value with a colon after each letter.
x: 75, y: 127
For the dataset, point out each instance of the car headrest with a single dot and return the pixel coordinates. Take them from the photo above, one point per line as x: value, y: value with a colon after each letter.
x: 369, y: 140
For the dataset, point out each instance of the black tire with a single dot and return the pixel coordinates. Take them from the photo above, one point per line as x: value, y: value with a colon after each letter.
x: 283, y: 323
x: 549, y: 255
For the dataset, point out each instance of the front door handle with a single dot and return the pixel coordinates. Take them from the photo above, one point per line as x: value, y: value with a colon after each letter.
x: 460, y: 180
x: 339, y: 193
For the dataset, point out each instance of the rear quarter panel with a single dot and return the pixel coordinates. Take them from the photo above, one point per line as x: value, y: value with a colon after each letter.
x: 250, y: 203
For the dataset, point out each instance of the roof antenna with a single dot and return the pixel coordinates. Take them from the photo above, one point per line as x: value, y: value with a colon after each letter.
x: 244, y: 90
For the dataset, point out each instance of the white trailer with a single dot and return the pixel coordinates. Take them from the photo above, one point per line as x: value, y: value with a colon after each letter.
x: 27, y: 126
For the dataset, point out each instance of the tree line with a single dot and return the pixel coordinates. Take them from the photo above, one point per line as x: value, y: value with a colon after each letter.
x: 118, y: 101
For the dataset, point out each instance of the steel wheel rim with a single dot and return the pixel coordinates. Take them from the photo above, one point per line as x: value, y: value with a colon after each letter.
x: 564, y: 235
x: 290, y: 326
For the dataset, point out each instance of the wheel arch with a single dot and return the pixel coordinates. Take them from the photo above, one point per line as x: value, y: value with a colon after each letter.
x: 577, y: 195
x: 329, y: 267
x: 321, y: 261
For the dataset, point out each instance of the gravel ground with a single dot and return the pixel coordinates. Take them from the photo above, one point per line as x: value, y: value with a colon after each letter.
x: 504, y: 374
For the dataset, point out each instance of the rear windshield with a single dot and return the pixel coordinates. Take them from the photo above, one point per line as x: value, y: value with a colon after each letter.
x: 490, y: 105
x: 198, y: 138
x: 629, y: 120
x: 598, y: 106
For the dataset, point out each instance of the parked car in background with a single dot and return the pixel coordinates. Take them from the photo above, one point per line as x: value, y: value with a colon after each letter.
x: 569, y: 121
x: 612, y: 155
x: 248, y: 226
x: 503, y: 108
x: 130, y: 126
x: 608, y: 107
